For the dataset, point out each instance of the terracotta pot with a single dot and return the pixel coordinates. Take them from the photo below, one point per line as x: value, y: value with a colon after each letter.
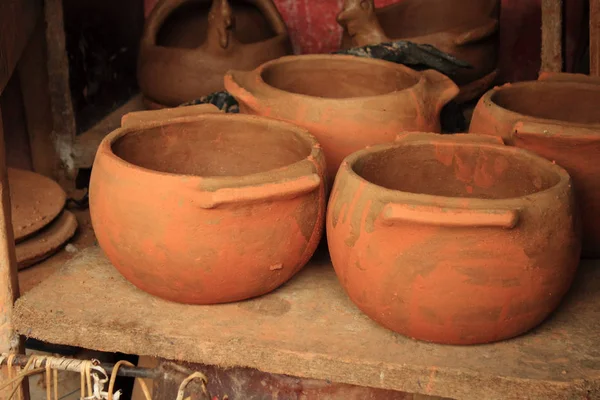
x: 462, y: 28
x: 208, y: 208
x: 558, y: 120
x: 453, y: 241
x: 346, y: 102
x: 187, y: 46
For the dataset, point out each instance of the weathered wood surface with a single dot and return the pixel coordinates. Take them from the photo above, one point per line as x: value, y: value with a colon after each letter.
x: 310, y: 329
x: 552, y: 36
x: 17, y: 21
x: 595, y: 37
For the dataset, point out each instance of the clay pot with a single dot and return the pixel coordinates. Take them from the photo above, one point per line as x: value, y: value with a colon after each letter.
x: 346, y: 102
x: 188, y: 45
x: 453, y: 241
x: 558, y: 120
x: 209, y: 208
x: 462, y: 28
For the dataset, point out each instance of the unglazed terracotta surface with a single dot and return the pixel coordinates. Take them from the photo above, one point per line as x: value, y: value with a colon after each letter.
x: 47, y: 241
x: 558, y: 119
x: 462, y: 28
x: 346, y: 102
x: 188, y: 45
x: 35, y: 201
x: 209, y: 208
x: 453, y: 241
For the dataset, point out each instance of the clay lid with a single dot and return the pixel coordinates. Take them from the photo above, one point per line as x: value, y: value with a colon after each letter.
x: 35, y: 200
x: 47, y: 241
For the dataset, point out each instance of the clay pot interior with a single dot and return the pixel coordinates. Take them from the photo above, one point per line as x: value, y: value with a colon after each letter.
x: 336, y: 79
x: 212, y: 147
x: 450, y: 170
x: 187, y: 26
x: 569, y: 103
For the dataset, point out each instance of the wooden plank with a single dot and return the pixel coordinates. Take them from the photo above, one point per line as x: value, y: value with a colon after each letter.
x: 17, y: 21
x: 595, y: 37
x: 552, y: 37
x: 33, y: 79
x: 310, y: 329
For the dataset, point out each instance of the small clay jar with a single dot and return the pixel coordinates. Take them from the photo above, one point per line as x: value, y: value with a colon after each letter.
x: 346, y: 102
x: 465, y: 29
x: 558, y: 119
x: 453, y: 240
x: 209, y: 208
x: 188, y: 45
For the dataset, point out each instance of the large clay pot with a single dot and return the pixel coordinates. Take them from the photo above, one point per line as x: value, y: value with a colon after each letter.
x: 465, y: 29
x: 346, y: 102
x: 452, y: 240
x: 187, y: 46
x: 558, y: 120
x: 209, y: 208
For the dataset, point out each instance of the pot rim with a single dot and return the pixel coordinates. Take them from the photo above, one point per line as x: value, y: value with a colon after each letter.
x: 286, y: 172
x: 487, y: 98
x: 457, y: 202
x: 295, y: 58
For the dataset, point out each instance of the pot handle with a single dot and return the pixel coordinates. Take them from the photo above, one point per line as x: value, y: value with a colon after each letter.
x: 483, y: 31
x: 455, y: 137
x: 254, y: 194
x: 239, y: 84
x: 153, y: 117
x: 157, y: 18
x: 438, y: 89
x: 537, y: 130
x: 449, y: 217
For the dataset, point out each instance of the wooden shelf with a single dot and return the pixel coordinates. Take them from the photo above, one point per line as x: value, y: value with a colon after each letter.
x: 309, y: 328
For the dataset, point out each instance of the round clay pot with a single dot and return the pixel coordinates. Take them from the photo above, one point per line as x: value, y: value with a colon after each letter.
x: 558, y: 120
x: 453, y: 241
x: 462, y: 28
x: 188, y: 45
x: 346, y: 102
x: 208, y: 209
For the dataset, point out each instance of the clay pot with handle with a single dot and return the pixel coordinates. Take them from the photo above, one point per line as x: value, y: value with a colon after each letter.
x: 558, y: 119
x: 346, y: 102
x: 209, y: 207
x: 453, y: 239
x: 465, y: 29
x: 188, y: 45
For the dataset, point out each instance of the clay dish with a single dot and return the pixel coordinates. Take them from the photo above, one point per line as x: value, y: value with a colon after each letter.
x: 558, y: 119
x: 346, y: 102
x: 47, y: 241
x: 451, y: 241
x: 35, y: 201
x: 188, y: 45
x: 462, y: 28
x: 209, y: 208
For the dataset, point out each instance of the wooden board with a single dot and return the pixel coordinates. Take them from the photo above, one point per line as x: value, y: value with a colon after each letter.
x: 309, y: 328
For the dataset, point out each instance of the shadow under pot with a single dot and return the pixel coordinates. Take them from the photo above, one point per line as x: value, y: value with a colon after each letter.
x: 188, y: 45
x: 346, y: 102
x: 453, y: 242
x: 559, y: 121
x: 213, y: 209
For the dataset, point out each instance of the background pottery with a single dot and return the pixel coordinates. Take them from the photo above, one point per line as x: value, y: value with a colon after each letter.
x: 564, y: 127
x: 452, y: 241
x: 35, y: 201
x: 462, y: 28
x: 188, y: 45
x: 211, y: 208
x: 346, y: 102
x: 47, y: 241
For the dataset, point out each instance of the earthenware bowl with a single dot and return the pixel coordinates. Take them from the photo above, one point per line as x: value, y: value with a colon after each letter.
x: 209, y: 208
x: 346, y: 102
x: 451, y: 241
x: 558, y: 119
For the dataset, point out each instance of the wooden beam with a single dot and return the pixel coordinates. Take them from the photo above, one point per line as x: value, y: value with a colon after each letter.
x: 552, y: 37
x: 17, y: 21
x: 595, y: 37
